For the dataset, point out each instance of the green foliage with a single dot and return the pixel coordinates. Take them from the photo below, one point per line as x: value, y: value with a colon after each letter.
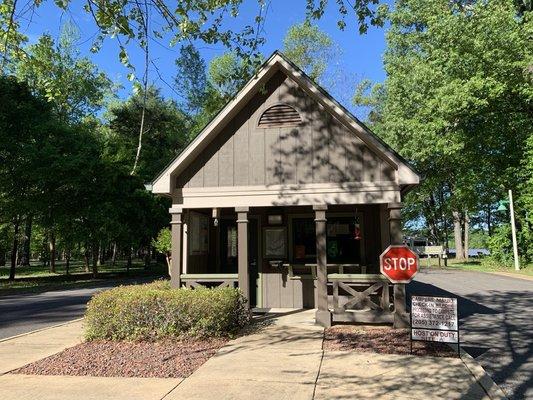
x: 164, y: 137
x: 73, y: 85
x: 501, y: 246
x: 309, y: 48
x: 228, y: 73
x: 456, y: 103
x: 155, y: 311
x: 163, y: 242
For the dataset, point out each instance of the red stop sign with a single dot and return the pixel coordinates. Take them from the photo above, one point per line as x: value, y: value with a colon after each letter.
x: 398, y: 263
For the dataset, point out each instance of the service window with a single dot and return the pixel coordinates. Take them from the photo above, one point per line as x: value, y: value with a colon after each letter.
x: 343, y: 240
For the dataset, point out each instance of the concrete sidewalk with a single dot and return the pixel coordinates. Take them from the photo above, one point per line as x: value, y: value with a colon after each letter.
x: 284, y: 360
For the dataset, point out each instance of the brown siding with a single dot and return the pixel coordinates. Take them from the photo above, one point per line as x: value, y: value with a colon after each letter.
x: 319, y: 150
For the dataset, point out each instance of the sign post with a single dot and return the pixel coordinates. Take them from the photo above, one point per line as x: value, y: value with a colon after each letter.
x: 434, y: 319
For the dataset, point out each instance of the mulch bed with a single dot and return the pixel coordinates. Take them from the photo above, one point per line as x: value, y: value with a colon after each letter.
x: 381, y: 340
x: 164, y: 359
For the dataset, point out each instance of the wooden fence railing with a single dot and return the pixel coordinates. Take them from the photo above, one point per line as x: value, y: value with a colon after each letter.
x: 209, y: 280
x: 361, y: 298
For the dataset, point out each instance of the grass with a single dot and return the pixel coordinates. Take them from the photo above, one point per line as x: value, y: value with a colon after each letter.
x: 477, y: 265
x: 37, y: 278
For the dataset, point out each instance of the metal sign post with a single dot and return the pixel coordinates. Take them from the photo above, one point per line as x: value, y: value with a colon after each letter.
x: 434, y: 319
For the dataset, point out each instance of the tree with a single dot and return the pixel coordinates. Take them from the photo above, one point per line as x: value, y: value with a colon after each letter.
x: 164, y: 137
x: 309, y: 48
x: 163, y: 244
x: 73, y: 85
x: 456, y: 103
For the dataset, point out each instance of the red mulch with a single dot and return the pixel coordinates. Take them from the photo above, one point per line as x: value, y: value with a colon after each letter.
x: 165, y: 359
x: 381, y: 340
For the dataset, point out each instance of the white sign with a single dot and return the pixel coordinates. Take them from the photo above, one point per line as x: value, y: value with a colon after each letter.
x: 429, y: 335
x: 434, y: 319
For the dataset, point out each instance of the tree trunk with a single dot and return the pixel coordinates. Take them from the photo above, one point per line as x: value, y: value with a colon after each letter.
x: 100, y: 254
x: 26, y: 249
x: 128, y: 263
x: 52, y: 244
x: 67, y: 262
x: 114, y: 257
x: 466, y: 235
x: 95, y: 259
x: 458, y: 235
x: 16, y: 224
x: 86, y: 258
x: 489, y: 218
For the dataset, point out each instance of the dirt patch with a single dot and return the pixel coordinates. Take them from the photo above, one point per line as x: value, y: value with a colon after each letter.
x: 381, y: 340
x: 164, y: 359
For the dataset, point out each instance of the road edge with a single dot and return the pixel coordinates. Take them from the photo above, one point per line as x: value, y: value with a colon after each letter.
x: 41, y: 329
x: 482, y: 377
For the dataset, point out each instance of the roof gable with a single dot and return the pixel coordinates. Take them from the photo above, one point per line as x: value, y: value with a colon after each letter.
x: 164, y: 183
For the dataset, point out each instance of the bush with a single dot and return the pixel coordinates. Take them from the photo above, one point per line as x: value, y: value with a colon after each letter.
x: 155, y: 310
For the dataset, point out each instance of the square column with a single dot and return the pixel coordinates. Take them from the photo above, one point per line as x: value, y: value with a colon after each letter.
x: 323, y: 315
x: 242, y: 251
x: 401, y: 317
x: 176, y: 246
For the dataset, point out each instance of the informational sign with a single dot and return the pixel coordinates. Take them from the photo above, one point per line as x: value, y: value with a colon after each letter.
x: 434, y: 319
x: 399, y: 263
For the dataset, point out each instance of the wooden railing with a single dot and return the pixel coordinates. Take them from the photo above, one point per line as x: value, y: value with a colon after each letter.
x: 211, y: 280
x: 312, y: 269
x: 366, y: 298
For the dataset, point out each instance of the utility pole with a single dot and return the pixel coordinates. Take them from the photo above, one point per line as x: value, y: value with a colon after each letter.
x: 513, y: 231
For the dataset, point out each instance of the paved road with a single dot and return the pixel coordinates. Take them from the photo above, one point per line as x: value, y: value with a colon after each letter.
x: 22, y: 313
x: 496, y: 322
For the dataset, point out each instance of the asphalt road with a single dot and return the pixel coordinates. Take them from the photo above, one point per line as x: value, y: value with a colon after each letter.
x: 496, y: 322
x: 21, y: 313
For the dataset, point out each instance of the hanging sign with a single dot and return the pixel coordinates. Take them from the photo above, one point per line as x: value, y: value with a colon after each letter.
x: 434, y: 319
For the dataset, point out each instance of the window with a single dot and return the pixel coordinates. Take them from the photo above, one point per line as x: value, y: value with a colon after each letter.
x: 279, y: 115
x: 343, y: 240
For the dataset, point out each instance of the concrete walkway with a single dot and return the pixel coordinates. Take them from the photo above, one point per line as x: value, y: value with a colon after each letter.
x: 284, y: 360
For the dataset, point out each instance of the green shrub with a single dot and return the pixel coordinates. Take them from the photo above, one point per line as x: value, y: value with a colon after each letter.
x: 153, y: 311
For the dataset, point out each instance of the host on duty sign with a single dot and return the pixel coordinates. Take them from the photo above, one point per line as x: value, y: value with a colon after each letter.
x: 434, y: 319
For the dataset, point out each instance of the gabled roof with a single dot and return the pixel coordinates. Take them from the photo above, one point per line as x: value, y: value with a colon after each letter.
x: 163, y: 183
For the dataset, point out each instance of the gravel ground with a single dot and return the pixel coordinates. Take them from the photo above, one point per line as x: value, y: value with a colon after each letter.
x: 380, y: 340
x: 165, y: 359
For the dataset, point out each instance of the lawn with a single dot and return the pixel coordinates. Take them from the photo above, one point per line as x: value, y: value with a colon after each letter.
x: 477, y: 265
x: 37, y: 277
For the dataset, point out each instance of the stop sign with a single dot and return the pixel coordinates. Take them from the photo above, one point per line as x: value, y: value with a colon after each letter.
x: 399, y: 263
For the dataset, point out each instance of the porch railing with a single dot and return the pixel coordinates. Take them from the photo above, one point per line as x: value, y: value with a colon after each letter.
x: 311, y: 268
x: 366, y: 298
x: 209, y: 280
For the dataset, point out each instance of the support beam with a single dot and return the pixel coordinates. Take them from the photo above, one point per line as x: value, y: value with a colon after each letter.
x: 242, y: 251
x: 175, y: 264
x: 401, y: 317
x: 323, y: 315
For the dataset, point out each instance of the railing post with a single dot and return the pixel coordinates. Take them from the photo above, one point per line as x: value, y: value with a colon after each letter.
x: 323, y: 315
x: 401, y: 318
x: 242, y: 251
x: 176, y: 231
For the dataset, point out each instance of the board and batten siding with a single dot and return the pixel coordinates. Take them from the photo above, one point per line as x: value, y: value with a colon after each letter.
x: 318, y: 150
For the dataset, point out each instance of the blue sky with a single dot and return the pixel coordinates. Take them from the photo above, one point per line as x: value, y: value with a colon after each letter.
x: 361, y: 55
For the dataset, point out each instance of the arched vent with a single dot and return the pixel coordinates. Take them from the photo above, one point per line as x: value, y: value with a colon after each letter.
x: 279, y: 115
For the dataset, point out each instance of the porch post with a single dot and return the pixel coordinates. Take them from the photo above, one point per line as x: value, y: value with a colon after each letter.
x: 242, y: 250
x: 323, y: 315
x: 175, y: 264
x: 401, y: 318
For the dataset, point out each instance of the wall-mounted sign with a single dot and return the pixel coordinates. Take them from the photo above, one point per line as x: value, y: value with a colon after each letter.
x: 198, y: 233
x: 275, y: 242
x: 434, y: 319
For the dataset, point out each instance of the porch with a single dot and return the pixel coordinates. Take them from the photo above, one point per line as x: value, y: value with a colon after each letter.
x: 302, y: 257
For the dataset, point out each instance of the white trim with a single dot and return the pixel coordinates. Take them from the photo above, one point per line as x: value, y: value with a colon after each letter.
x: 163, y: 184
